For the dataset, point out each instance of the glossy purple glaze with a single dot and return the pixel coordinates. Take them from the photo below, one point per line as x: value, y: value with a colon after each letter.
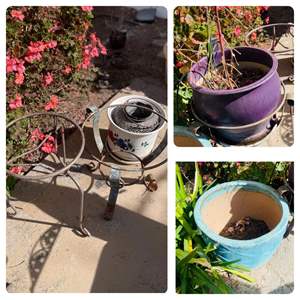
x: 239, y: 106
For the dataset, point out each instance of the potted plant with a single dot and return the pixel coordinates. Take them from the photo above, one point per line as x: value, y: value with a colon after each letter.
x: 235, y: 90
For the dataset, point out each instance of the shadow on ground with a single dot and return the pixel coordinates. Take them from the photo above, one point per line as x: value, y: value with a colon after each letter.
x: 125, y: 264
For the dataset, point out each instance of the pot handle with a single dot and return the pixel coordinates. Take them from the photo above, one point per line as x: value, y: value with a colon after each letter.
x: 94, y: 110
x: 282, y: 190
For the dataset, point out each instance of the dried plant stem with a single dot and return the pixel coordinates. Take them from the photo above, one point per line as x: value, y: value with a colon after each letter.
x: 223, y: 59
x: 187, y: 57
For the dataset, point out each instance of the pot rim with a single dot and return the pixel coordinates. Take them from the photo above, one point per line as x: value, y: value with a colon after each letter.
x: 205, y: 90
x: 250, y: 186
x: 201, y: 139
x: 123, y: 99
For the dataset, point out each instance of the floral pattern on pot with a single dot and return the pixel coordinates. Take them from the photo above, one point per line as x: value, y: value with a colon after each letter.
x: 124, y: 144
x: 145, y: 144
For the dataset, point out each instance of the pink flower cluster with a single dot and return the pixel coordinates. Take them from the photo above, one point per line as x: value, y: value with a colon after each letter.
x: 87, y: 8
x: 67, y: 70
x: 47, y: 79
x: 237, y: 31
x: 35, y: 50
x: 48, y: 146
x: 52, y: 104
x: 16, y: 169
x: 253, y: 36
x: 16, y: 65
x: 17, y: 14
x: 91, y: 50
x: 36, y: 135
x: 16, y: 103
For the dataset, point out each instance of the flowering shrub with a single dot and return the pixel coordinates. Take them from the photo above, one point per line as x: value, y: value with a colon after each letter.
x: 193, y: 25
x: 47, y: 49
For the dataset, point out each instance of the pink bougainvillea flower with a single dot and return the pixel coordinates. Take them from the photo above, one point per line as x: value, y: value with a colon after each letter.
x: 90, y: 51
x: 52, y: 104
x: 19, y: 78
x: 31, y: 57
x: 10, y: 64
x: 49, y: 146
x: 20, y: 66
x: 36, y: 47
x: 267, y: 20
x: 248, y: 16
x: 17, y: 14
x: 238, y: 10
x: 179, y: 64
x: 16, y: 103
x: 51, y: 139
x: 36, y: 135
x: 237, y: 31
x: 253, y: 36
x: 67, y: 70
x: 16, y: 169
x: 86, y: 62
x: 103, y: 50
x: 14, y: 65
x: 87, y: 8
x: 93, y: 38
x: 51, y: 44
x: 94, y: 52
x: 47, y: 79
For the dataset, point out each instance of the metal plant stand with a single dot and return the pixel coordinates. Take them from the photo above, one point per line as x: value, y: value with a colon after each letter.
x: 114, y: 180
x: 277, y: 31
x: 200, y: 127
x: 63, y: 166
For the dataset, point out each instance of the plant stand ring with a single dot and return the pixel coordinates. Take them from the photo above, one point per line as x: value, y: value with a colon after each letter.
x: 65, y: 170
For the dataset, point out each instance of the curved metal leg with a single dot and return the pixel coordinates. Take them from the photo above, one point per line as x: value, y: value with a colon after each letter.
x: 82, y: 228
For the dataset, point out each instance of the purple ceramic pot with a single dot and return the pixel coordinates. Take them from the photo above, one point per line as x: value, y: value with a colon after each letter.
x: 241, y: 106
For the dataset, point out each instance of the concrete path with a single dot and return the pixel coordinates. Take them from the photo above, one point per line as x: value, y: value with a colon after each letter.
x: 275, y: 277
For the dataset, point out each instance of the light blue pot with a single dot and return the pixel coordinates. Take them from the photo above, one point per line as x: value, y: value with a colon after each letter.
x: 250, y: 253
x: 201, y: 139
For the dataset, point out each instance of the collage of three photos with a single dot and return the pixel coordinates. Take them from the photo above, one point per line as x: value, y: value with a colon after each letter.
x: 87, y: 149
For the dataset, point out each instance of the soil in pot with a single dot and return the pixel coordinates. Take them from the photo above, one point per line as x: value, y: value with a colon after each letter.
x: 242, y: 74
x: 246, y: 228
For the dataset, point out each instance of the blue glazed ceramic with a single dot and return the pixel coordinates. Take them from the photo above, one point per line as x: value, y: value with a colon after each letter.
x: 201, y: 139
x: 250, y: 253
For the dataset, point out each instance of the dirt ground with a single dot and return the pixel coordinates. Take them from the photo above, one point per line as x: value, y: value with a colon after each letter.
x: 142, y: 56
